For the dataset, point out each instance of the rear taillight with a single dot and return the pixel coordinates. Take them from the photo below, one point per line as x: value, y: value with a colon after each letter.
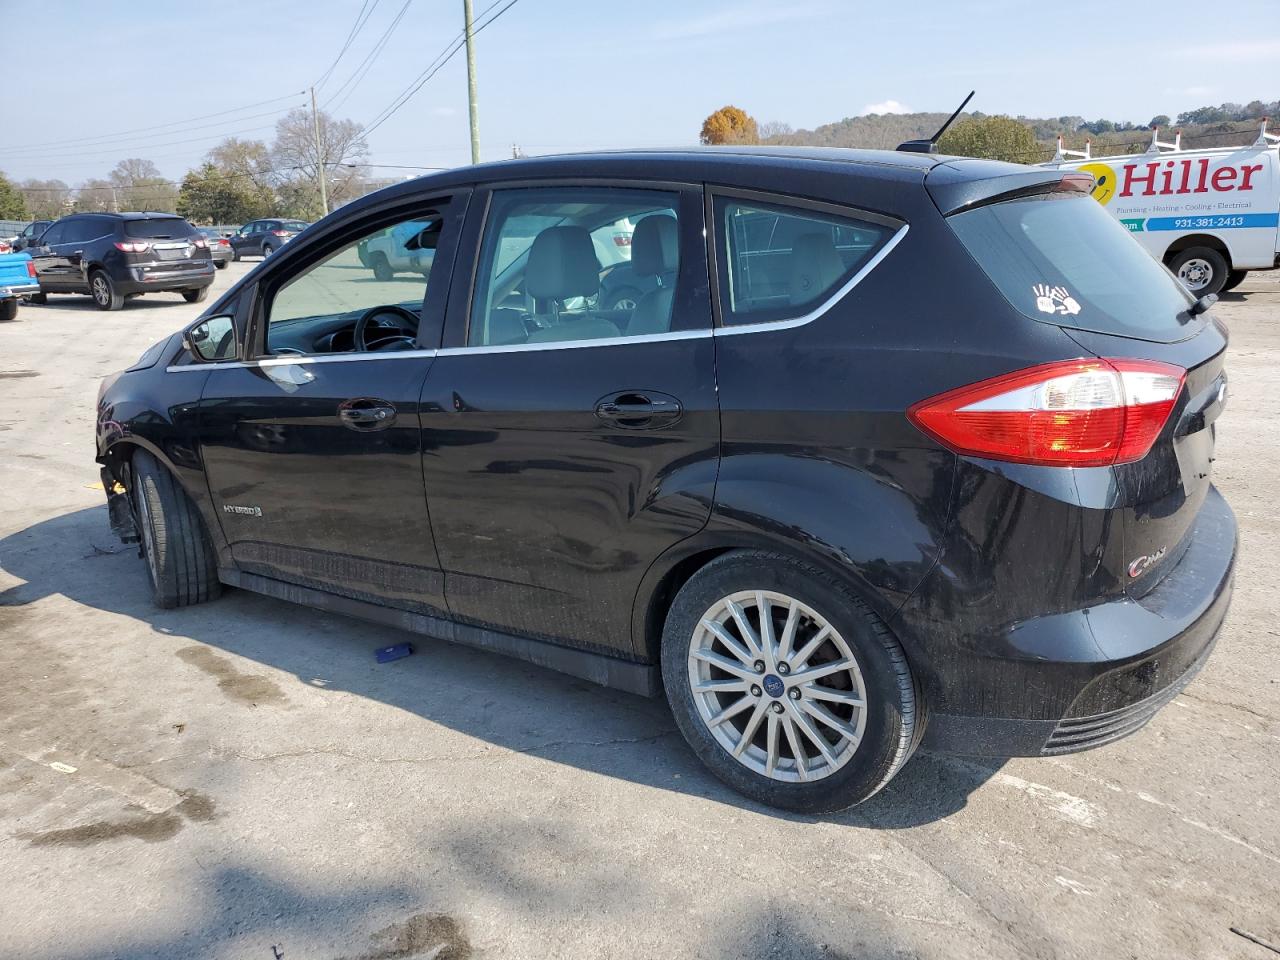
x: 199, y: 242
x: 281, y: 233
x: 1075, y: 413
x: 133, y: 246
x: 31, y: 268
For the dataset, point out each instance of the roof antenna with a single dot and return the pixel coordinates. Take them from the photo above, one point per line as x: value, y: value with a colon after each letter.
x: 931, y: 145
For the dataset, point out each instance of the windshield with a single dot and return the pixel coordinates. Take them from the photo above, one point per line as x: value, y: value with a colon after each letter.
x: 1063, y: 259
x: 159, y: 228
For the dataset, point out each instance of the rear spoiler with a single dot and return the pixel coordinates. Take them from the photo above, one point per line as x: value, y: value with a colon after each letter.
x: 959, y: 185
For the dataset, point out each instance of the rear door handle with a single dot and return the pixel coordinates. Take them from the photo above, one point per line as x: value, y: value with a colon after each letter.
x: 639, y: 409
x: 366, y: 414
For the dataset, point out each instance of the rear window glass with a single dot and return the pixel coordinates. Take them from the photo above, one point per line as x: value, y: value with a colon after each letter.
x: 159, y: 228
x: 1063, y: 259
x: 297, y: 226
x: 779, y: 262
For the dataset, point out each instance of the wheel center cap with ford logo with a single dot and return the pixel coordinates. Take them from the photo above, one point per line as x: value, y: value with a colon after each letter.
x: 773, y: 685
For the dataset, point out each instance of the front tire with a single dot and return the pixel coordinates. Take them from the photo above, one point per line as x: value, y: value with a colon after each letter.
x: 1202, y: 270
x: 104, y: 292
x: 180, y: 559
x: 196, y: 296
x: 787, y: 685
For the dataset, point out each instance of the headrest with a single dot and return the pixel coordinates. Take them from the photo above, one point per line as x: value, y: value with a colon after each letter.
x: 562, y: 264
x: 655, y: 245
x: 815, y: 266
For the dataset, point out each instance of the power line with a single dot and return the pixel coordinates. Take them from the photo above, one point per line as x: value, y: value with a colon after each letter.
x: 365, y: 65
x: 355, y: 29
x: 158, y: 126
x: 434, y: 68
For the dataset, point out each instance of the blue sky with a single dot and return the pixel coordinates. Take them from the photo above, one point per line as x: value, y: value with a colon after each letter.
x: 571, y: 74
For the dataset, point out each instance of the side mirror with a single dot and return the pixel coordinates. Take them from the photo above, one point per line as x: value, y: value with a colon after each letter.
x: 1203, y: 304
x: 211, y: 339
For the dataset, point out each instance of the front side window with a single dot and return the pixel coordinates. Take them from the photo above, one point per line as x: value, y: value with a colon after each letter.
x: 545, y: 251
x: 366, y: 295
x: 778, y: 262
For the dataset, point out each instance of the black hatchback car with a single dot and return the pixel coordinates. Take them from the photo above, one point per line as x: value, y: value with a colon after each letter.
x: 934, y: 470
x: 115, y: 257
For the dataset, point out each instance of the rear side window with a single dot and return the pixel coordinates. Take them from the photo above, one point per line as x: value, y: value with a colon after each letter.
x: 296, y: 226
x: 1063, y: 259
x: 778, y: 262
x: 159, y: 228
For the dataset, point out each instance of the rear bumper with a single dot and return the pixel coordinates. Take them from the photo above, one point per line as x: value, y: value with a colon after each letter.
x: 19, y: 289
x: 1148, y: 650
x: 161, y: 276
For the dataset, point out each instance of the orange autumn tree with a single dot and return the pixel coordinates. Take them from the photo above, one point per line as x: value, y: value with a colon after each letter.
x: 730, y: 125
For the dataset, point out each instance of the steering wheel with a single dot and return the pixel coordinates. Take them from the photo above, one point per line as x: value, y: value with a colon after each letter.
x: 362, y: 325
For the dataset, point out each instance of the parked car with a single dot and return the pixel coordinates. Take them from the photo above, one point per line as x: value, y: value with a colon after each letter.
x: 405, y: 248
x: 29, y: 235
x: 933, y: 470
x: 114, y: 257
x: 219, y: 246
x: 17, y: 280
x: 261, y: 238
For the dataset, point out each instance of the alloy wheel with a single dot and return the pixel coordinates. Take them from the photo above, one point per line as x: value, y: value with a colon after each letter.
x: 777, y: 686
x: 101, y: 290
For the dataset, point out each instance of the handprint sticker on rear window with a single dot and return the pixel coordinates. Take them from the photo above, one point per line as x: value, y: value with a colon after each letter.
x: 1054, y: 300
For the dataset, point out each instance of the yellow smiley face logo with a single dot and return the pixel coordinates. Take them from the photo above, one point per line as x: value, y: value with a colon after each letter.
x: 1104, y: 181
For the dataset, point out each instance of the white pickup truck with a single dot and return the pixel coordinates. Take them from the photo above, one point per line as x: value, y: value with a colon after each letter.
x: 1209, y: 215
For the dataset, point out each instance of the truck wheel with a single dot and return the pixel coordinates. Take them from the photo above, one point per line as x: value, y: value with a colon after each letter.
x: 196, y: 296
x: 9, y: 308
x: 235, y: 254
x: 1234, y: 279
x: 39, y: 299
x: 1202, y: 270
x: 787, y: 685
x: 104, y: 292
x: 381, y: 268
x: 180, y: 559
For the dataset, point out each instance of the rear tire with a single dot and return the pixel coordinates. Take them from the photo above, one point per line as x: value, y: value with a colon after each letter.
x: 196, y: 296
x: 235, y: 254
x: 8, y: 309
x: 267, y: 250
x: 39, y: 299
x: 180, y: 559
x: 104, y: 292
x: 1202, y: 270
x: 220, y: 264
x: 381, y: 268
x: 1234, y: 279
x: 877, y: 738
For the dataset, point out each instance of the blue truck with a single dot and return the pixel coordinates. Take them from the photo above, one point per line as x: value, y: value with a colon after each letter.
x: 17, y: 279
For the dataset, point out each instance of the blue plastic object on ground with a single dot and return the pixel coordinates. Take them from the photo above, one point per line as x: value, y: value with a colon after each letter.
x: 400, y: 650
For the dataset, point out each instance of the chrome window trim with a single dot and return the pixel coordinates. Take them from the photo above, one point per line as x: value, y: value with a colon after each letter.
x: 574, y: 344
x: 831, y: 301
x: 296, y: 360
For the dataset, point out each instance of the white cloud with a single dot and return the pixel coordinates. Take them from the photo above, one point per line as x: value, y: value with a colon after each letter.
x: 887, y: 106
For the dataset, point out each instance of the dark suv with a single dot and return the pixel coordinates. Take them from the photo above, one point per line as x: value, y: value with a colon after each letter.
x: 114, y: 257
x: 262, y: 238
x: 902, y: 450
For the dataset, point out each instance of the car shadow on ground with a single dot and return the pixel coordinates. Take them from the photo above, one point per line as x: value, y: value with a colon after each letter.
x: 75, y: 301
x: 507, y: 703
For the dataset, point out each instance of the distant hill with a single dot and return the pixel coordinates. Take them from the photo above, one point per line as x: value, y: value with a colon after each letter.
x: 1228, y: 125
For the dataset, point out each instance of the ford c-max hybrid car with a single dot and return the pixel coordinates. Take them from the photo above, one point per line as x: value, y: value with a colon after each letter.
x: 933, y: 471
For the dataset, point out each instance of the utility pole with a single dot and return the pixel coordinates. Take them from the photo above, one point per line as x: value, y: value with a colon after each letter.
x: 321, y: 173
x: 471, y: 83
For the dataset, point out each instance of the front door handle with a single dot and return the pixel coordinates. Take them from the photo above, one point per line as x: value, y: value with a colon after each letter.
x: 366, y: 414
x: 639, y: 409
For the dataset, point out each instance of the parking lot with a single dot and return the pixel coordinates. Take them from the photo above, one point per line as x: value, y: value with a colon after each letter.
x: 243, y: 780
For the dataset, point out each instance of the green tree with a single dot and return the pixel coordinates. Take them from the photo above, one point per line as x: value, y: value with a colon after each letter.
x: 1159, y: 120
x: 209, y: 195
x: 730, y: 125
x: 12, y: 204
x: 993, y: 138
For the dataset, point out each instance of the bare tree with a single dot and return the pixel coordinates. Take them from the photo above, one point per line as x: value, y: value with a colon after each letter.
x: 343, y: 152
x: 95, y: 195
x: 141, y: 186
x: 774, y: 128
x: 46, y: 199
